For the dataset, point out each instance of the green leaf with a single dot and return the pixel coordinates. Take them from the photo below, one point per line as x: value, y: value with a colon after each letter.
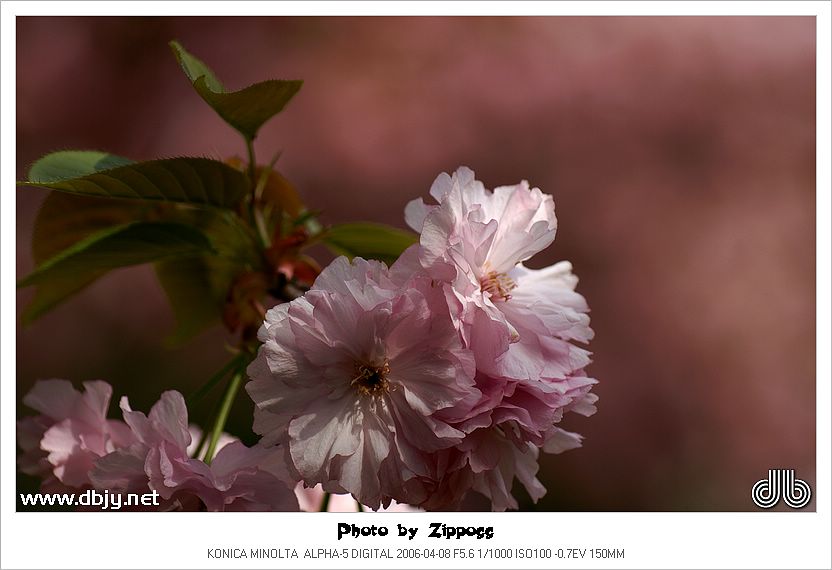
x: 370, y: 241
x: 229, y: 236
x: 65, y: 219
x: 120, y: 246
x: 51, y: 293
x: 195, y: 68
x: 197, y: 287
x: 247, y: 109
x: 67, y: 164
x: 197, y: 181
x: 62, y: 221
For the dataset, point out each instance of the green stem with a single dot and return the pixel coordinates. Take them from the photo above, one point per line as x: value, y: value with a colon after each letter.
x: 252, y: 165
x: 201, y: 445
x: 256, y: 213
x: 195, y: 397
x: 222, y: 416
x: 325, y: 502
x: 252, y: 199
x: 215, y: 379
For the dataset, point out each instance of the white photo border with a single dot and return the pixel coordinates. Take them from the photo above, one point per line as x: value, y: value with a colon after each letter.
x: 184, y: 540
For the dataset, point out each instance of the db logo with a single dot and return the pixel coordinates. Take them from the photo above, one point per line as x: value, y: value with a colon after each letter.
x: 781, y: 483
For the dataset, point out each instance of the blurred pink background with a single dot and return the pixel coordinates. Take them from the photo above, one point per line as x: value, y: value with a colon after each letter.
x: 680, y: 152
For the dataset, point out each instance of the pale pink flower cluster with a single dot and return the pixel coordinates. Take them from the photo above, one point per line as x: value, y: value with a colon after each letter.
x: 446, y: 373
x: 72, y: 444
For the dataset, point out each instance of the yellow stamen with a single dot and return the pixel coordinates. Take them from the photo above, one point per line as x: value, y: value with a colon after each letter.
x: 371, y: 380
x: 498, y: 285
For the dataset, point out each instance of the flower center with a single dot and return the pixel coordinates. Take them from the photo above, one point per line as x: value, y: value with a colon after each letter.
x: 498, y: 285
x: 371, y: 380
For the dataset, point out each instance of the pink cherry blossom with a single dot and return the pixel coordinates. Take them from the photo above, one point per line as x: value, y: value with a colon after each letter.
x: 384, y: 388
x: 351, y: 379
x: 520, y: 323
x: 70, y: 434
x: 487, y: 461
x: 504, y: 434
x: 238, y: 478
